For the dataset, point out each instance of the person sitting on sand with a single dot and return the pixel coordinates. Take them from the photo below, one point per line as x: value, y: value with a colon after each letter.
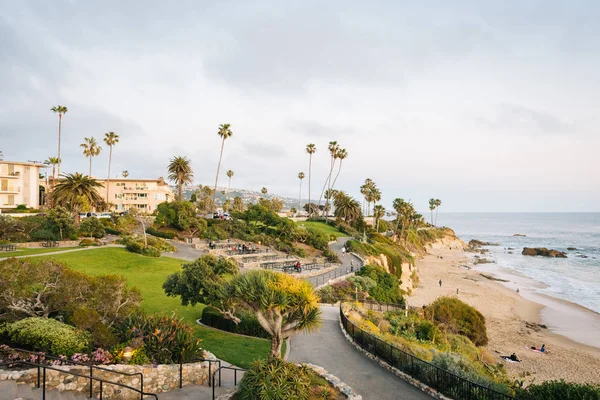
x: 513, y: 357
x: 543, y: 348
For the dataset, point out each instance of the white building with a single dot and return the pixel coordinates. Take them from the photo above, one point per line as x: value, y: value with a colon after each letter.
x: 20, y: 184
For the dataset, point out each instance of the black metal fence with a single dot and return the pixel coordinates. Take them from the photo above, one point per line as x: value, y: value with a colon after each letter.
x: 322, y: 279
x: 441, y: 380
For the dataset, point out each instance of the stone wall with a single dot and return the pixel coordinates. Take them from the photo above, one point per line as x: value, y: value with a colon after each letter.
x: 63, y: 243
x: 157, y: 379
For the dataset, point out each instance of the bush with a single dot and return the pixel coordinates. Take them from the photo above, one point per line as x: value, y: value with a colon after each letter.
x: 166, y: 339
x: 135, y: 244
x: 560, y: 390
x: 112, y: 231
x: 44, y: 235
x: 274, y: 380
x: 248, y: 325
x: 331, y: 256
x: 160, y: 234
x: 459, y: 318
x: 92, y: 227
x: 88, y: 319
x: 177, y: 214
x: 387, y: 289
x: 88, y: 242
x: 47, y: 335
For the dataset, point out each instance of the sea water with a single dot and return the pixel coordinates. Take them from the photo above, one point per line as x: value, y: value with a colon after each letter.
x: 575, y: 278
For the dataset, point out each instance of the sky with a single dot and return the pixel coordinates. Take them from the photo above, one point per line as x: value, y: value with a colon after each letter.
x: 488, y: 106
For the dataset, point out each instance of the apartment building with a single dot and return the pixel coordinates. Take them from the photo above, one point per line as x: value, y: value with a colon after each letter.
x: 20, y: 184
x: 143, y: 194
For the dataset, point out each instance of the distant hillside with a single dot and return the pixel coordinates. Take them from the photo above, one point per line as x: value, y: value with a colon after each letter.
x: 249, y: 196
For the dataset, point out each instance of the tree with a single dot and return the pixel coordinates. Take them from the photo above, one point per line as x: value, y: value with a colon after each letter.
x: 378, y: 213
x: 238, y: 204
x: 333, y: 151
x: 346, y: 207
x: 431, y: 208
x: 54, y: 161
x: 204, y: 194
x: 92, y: 227
x: 91, y: 149
x: 110, y: 138
x: 300, y: 176
x: 180, y: 172
x: 227, y: 205
x: 367, y: 191
x: 310, y: 149
x: 75, y: 191
x: 125, y: 174
x: 60, y: 110
x: 177, y: 214
x: 283, y: 305
x: 438, y: 203
x: 60, y: 220
x: 229, y: 175
x: 264, y: 191
x: 405, y: 215
x: 225, y: 133
x: 342, y: 154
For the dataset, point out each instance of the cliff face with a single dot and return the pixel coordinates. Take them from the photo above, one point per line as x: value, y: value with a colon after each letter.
x: 448, y: 242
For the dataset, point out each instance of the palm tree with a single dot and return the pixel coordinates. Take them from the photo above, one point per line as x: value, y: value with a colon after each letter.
x: 300, y: 176
x: 431, y: 208
x: 438, y: 203
x: 180, y: 171
x: 229, y: 175
x: 76, y: 190
x: 346, y: 207
x: 54, y: 161
x: 125, y: 174
x: 378, y: 213
x: 264, y: 191
x: 61, y: 110
x: 333, y: 150
x: 225, y: 133
x: 110, y: 138
x: 310, y: 149
x: 90, y: 149
x: 341, y: 155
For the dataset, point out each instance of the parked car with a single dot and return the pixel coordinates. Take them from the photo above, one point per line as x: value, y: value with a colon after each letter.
x: 93, y: 214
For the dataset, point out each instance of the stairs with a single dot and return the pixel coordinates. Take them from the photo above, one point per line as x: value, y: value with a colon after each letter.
x: 10, y: 390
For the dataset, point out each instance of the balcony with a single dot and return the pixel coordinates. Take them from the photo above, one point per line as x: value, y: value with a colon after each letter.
x: 10, y: 189
x: 10, y: 175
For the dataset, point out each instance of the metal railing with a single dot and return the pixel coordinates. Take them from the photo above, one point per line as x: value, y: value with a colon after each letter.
x: 210, y: 363
x: 235, y: 377
x: 441, y: 380
x: 62, y: 361
x: 41, y: 381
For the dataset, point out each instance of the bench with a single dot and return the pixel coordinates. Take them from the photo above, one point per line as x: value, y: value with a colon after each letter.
x: 8, y: 247
x: 50, y: 243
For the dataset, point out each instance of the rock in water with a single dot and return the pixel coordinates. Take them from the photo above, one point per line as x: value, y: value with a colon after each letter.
x: 571, y: 248
x: 542, y: 251
x: 519, y: 234
x: 474, y: 243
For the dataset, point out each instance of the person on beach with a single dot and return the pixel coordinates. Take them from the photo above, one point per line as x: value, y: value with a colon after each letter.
x: 513, y: 357
x: 543, y: 348
x: 351, y: 265
x: 343, y: 251
x: 440, y: 283
x: 457, y: 291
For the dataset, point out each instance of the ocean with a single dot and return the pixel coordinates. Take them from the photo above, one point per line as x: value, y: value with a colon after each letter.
x: 575, y: 279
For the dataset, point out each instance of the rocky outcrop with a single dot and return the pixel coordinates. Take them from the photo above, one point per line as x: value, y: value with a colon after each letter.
x: 542, y: 251
x: 571, y: 248
x: 519, y: 234
x: 475, y: 244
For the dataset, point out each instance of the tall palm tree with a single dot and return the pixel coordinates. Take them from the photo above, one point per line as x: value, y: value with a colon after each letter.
x: 310, y: 149
x: 76, y: 190
x: 342, y: 154
x: 438, y: 203
x: 110, y: 138
x: 125, y: 174
x: 90, y: 149
x: 225, y: 133
x: 378, y: 213
x: 54, y: 161
x: 431, y: 208
x: 346, y: 207
x: 180, y: 171
x: 60, y: 110
x: 333, y: 150
x: 229, y: 175
x: 300, y: 176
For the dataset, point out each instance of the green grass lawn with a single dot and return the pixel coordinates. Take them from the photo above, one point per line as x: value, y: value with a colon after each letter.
x: 322, y: 227
x: 28, y: 252
x: 148, y: 275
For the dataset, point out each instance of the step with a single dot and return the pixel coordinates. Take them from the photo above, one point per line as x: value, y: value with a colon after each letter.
x: 8, y: 390
x: 192, y: 392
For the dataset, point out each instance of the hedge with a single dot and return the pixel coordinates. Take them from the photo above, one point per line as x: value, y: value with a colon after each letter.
x: 160, y: 234
x: 248, y: 325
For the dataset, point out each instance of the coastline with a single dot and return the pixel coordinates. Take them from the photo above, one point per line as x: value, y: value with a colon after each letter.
x: 513, y: 319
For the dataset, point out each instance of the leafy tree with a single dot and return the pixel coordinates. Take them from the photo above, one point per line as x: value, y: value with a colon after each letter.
x: 227, y: 205
x: 60, y: 220
x: 225, y: 133
x: 180, y: 172
x: 60, y: 110
x: 92, y: 227
x: 204, y: 195
x: 310, y: 149
x: 238, y: 204
x: 283, y: 305
x: 300, y: 176
x: 177, y: 214
x: 91, y: 149
x: 275, y: 205
x: 111, y: 139
x: 75, y: 191
x: 193, y: 198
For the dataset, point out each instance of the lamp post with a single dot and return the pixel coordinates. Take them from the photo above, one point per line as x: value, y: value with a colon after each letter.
x: 127, y: 352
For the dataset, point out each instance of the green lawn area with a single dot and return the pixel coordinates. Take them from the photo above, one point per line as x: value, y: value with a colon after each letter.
x: 148, y: 275
x: 28, y: 252
x: 321, y: 226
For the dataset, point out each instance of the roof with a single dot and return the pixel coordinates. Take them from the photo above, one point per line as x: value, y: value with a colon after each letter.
x: 24, y: 163
x: 157, y: 180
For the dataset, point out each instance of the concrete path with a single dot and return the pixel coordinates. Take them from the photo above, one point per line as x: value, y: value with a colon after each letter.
x: 330, y: 349
x: 348, y: 261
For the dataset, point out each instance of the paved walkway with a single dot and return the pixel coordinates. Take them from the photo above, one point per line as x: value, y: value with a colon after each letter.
x: 51, y: 253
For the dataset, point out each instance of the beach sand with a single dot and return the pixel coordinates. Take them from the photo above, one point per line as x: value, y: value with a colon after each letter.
x: 511, y: 320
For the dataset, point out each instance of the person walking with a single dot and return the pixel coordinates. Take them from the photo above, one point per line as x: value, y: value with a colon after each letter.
x: 343, y: 251
x: 440, y: 283
x: 352, y: 266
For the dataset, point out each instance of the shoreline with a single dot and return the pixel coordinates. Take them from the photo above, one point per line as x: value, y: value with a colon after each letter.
x: 512, y: 319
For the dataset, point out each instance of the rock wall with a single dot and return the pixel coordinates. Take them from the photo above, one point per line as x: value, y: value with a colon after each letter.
x: 157, y: 379
x: 448, y: 242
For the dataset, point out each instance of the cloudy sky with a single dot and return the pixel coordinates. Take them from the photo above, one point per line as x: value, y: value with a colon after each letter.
x: 488, y: 107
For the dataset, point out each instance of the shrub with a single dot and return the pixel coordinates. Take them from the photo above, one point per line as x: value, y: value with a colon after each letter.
x: 387, y: 289
x: 166, y: 339
x: 177, y: 214
x: 44, y: 234
x: 112, y: 231
x: 88, y: 319
x: 92, y: 227
x: 160, y: 234
x: 459, y: 318
x: 248, y: 325
x: 88, y: 242
x: 331, y: 256
x: 560, y: 390
x: 135, y: 244
x: 275, y: 380
x: 48, y: 335
x: 21, y: 207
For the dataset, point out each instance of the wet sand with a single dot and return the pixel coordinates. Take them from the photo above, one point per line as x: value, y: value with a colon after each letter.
x: 512, y: 318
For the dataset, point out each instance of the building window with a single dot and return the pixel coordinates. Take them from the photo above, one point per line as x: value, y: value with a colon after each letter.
x: 142, y: 195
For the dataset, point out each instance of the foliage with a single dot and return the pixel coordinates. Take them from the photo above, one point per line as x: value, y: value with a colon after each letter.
x: 126, y: 224
x: 387, y: 289
x: 275, y: 204
x: 45, y: 235
x: 378, y: 244
x: 275, y: 380
x: 180, y: 172
x: 560, y: 390
x: 92, y: 227
x: 346, y: 208
x: 166, y: 339
x: 77, y: 191
x: 160, y: 234
x: 59, y: 220
x: 48, y: 335
x: 88, y: 319
x: 177, y: 214
x: 88, y: 242
x: 460, y: 318
x: 135, y: 244
x: 248, y: 324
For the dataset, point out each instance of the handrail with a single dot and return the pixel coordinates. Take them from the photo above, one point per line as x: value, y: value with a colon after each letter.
x: 448, y: 383
x: 90, y: 365
x: 91, y: 378
x: 234, y: 369
x: 197, y: 360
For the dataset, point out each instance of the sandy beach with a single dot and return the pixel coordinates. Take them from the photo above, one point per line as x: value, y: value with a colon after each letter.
x: 511, y: 319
